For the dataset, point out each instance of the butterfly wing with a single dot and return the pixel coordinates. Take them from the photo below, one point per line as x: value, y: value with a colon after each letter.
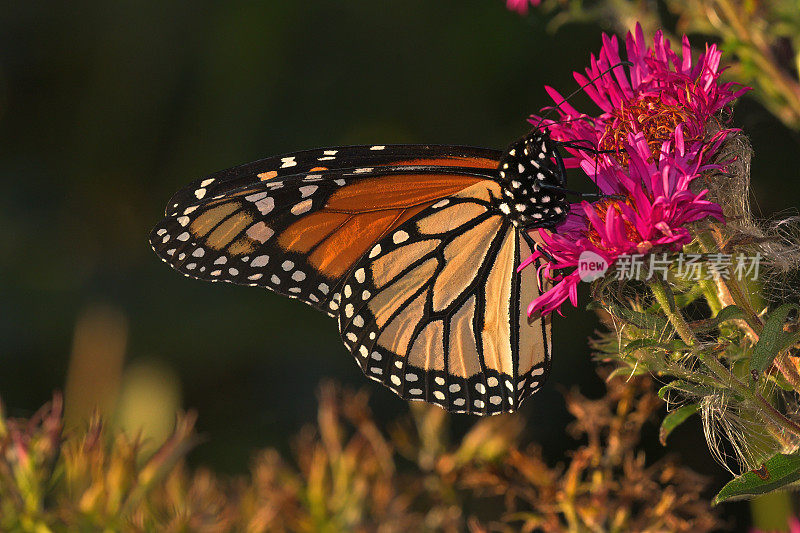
x: 436, y: 311
x: 331, y: 160
x: 298, y: 232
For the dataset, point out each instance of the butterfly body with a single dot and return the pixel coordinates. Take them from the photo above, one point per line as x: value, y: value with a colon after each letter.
x: 532, y: 175
x: 412, y: 248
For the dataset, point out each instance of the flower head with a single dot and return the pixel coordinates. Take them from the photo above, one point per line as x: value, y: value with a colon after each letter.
x: 653, y: 203
x: 660, y: 91
x: 653, y: 140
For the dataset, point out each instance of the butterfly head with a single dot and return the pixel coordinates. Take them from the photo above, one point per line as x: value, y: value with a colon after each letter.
x: 533, y: 178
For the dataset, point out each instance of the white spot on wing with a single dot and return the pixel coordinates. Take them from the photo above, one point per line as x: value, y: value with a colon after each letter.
x: 260, y: 232
x: 256, y: 197
x: 260, y: 261
x: 399, y: 236
x: 302, y: 207
x: 265, y: 205
x: 308, y: 190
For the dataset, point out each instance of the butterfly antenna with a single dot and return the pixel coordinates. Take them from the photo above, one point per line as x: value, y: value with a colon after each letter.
x: 579, y: 89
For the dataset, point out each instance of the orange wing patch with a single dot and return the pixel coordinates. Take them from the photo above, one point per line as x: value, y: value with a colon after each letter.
x: 397, y: 191
x: 471, y: 162
x: 264, y: 176
x: 358, y: 215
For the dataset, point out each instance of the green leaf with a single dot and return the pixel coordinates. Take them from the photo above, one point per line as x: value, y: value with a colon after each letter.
x: 685, y: 388
x: 684, y: 298
x: 672, y: 345
x: 780, y: 381
x: 676, y: 345
x: 728, y: 313
x: 779, y: 471
x: 773, y: 339
x: 731, y: 312
x: 646, y: 321
x: 637, y: 344
x: 675, y: 419
x: 627, y: 372
x: 640, y: 320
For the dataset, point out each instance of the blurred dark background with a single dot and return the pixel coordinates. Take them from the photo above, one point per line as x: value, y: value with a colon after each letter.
x: 107, y: 108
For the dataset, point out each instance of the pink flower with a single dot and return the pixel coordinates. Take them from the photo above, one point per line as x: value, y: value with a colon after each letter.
x: 521, y: 6
x: 658, y: 204
x: 653, y: 125
x: 660, y: 91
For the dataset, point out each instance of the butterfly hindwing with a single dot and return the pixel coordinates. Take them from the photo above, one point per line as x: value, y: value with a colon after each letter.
x: 435, y: 310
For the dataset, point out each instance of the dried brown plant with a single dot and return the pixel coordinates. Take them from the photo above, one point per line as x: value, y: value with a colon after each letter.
x: 348, y: 473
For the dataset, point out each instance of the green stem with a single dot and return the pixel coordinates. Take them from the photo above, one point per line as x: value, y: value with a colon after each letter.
x: 729, y: 289
x: 710, y: 292
x: 768, y: 411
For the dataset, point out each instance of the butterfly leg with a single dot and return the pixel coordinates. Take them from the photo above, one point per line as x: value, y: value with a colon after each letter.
x: 536, y: 247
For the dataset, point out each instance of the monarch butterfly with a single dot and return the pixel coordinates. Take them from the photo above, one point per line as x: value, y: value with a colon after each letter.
x: 412, y: 248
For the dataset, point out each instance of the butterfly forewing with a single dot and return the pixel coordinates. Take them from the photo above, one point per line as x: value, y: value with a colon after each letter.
x: 435, y: 311
x: 299, y: 234
x: 333, y: 160
x: 246, y: 237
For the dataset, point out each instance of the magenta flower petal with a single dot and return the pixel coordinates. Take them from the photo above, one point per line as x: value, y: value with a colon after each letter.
x: 653, y: 117
x: 521, y: 6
